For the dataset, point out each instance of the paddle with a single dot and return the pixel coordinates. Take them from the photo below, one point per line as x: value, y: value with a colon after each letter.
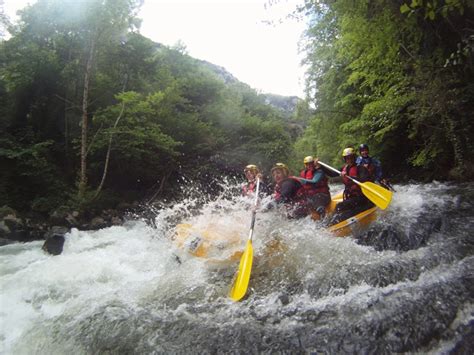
x: 380, y: 196
x: 245, y: 267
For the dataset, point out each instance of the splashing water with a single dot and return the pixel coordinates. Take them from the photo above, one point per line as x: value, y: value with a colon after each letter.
x: 405, y: 285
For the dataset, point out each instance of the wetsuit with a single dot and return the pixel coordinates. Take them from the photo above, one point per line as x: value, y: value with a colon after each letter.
x: 290, y: 193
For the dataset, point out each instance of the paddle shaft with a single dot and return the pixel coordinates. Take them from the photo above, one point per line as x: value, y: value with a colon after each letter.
x: 241, y: 282
x: 337, y: 171
x: 254, y: 212
x: 375, y: 193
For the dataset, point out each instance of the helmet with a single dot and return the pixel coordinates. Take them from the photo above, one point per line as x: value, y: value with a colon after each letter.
x: 363, y: 146
x: 281, y: 166
x: 348, y: 151
x: 251, y: 167
x: 308, y: 159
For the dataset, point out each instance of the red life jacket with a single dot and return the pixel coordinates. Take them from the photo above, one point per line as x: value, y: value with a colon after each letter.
x: 320, y: 187
x: 249, y: 188
x: 352, y: 189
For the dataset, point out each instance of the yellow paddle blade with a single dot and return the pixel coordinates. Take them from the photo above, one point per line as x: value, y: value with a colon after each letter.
x: 243, y: 277
x: 380, y: 196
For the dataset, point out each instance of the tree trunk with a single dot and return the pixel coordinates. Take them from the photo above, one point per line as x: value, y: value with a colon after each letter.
x: 165, y: 177
x: 85, y: 106
x: 109, y: 148
x: 107, y: 157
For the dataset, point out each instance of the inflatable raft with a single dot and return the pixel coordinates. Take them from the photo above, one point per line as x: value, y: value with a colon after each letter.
x: 353, y: 224
x: 224, y: 243
x: 210, y: 242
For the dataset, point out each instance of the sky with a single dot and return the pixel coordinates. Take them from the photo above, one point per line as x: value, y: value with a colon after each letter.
x: 234, y: 34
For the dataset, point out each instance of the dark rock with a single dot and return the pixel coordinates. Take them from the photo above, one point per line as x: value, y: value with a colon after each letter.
x: 97, y: 223
x: 17, y: 229
x: 13, y: 222
x: 284, y: 299
x: 71, y: 220
x: 21, y: 235
x: 115, y: 221
x: 58, y: 216
x: 54, y: 244
x: 5, y: 211
x: 4, y: 229
x: 56, y: 230
x: 4, y: 241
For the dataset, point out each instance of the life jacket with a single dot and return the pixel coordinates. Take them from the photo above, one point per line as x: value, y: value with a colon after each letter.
x: 352, y: 189
x: 249, y: 188
x: 320, y: 187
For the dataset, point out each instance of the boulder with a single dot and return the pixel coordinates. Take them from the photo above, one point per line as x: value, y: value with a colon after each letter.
x: 56, y: 230
x: 4, y: 229
x: 13, y: 222
x: 115, y: 221
x: 71, y: 220
x: 54, y: 244
x: 97, y: 223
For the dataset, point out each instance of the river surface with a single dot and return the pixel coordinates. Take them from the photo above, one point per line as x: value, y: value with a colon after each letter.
x: 406, y: 285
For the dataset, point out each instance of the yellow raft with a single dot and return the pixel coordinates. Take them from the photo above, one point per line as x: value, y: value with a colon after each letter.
x: 353, y: 224
x: 210, y: 242
x: 219, y: 243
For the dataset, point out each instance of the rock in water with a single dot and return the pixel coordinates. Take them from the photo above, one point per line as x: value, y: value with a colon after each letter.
x: 54, y: 244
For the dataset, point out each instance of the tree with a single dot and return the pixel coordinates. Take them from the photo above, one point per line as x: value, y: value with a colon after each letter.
x: 142, y: 117
x: 373, y: 77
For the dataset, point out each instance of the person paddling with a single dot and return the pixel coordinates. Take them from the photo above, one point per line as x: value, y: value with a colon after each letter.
x: 288, y: 191
x: 354, y: 200
x: 315, y: 184
x: 373, y: 165
x: 252, y: 172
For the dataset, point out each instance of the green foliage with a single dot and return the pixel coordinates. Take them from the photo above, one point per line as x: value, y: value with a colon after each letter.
x: 399, y: 83
x: 154, y: 113
x: 29, y: 171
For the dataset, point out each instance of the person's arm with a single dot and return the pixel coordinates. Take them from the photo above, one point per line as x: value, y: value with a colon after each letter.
x: 316, y: 178
x: 330, y: 173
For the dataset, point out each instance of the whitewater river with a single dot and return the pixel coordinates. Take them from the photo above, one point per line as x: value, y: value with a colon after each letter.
x: 404, y: 286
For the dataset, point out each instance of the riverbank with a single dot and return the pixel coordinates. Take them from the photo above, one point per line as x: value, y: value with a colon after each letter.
x: 20, y: 227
